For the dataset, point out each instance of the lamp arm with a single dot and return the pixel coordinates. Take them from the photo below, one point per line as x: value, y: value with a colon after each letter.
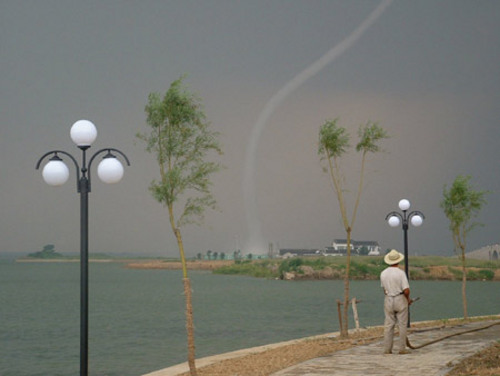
x: 109, y: 152
x: 416, y: 212
x: 77, y: 167
x: 395, y: 214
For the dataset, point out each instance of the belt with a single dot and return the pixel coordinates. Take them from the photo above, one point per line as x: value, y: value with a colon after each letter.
x: 393, y: 296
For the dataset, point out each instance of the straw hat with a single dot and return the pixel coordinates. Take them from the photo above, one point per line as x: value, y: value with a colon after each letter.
x: 393, y: 257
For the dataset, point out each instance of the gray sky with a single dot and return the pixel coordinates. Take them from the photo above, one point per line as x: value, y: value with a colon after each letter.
x: 427, y: 71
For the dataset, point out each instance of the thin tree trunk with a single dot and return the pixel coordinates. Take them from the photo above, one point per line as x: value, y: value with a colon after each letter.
x: 187, y: 294
x: 464, y: 281
x: 460, y: 244
x: 345, y: 327
x: 339, y: 303
x: 190, y: 327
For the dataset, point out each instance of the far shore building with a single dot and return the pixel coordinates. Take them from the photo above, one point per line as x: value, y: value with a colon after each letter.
x: 338, y: 248
x: 293, y: 252
x: 365, y: 247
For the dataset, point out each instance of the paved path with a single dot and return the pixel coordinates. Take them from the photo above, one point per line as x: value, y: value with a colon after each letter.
x: 368, y: 360
x: 432, y: 360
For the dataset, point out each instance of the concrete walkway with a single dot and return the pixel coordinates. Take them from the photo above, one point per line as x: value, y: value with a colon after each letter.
x: 432, y: 360
x: 368, y: 360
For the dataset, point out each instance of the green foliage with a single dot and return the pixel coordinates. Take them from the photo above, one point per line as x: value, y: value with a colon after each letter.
x: 359, y: 270
x: 484, y: 274
x: 366, y: 267
x: 480, y: 275
x: 461, y: 203
x: 472, y: 275
x: 333, y: 140
x: 242, y: 261
x: 363, y: 270
x: 333, y: 143
x: 246, y: 267
x: 181, y: 140
x: 457, y: 273
x: 370, y: 134
x: 290, y: 265
x: 48, y: 252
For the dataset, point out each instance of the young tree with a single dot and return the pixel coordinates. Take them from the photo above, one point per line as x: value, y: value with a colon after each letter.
x: 461, y: 203
x: 180, y: 138
x: 333, y: 144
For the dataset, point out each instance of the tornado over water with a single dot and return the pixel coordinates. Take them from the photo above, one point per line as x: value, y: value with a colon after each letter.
x: 255, y: 239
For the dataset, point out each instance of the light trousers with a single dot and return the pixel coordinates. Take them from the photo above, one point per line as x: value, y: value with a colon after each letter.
x: 396, y: 311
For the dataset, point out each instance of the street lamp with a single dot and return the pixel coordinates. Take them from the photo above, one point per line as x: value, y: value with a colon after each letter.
x: 395, y: 218
x: 56, y: 173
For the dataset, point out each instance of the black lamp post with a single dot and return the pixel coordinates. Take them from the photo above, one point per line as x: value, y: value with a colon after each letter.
x: 56, y: 173
x: 395, y: 218
x: 415, y: 217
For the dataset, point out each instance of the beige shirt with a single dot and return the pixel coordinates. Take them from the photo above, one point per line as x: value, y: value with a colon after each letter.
x: 393, y: 280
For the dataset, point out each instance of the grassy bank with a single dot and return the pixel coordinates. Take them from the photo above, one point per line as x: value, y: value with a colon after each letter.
x: 362, y: 268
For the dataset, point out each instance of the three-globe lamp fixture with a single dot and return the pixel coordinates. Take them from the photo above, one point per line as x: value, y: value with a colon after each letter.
x: 56, y: 173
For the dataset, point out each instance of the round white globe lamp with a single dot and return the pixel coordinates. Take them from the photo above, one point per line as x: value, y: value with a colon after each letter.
x: 394, y: 221
x: 416, y: 220
x: 110, y: 170
x: 55, y: 172
x: 404, y: 204
x: 83, y: 133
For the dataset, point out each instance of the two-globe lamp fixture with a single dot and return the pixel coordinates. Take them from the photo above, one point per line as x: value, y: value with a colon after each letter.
x: 56, y: 173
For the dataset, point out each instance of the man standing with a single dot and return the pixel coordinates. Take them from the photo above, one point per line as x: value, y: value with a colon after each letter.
x: 396, y: 301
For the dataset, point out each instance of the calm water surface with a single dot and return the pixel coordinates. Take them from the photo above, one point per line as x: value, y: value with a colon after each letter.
x: 136, y: 317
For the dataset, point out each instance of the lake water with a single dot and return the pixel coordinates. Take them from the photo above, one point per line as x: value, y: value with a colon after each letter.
x: 136, y: 317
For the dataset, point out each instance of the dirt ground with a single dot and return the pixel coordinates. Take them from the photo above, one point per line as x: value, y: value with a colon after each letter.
x: 176, y: 265
x: 484, y: 363
x: 270, y: 361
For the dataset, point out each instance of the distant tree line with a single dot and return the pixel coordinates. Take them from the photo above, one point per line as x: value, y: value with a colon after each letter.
x: 48, y: 252
x: 237, y: 256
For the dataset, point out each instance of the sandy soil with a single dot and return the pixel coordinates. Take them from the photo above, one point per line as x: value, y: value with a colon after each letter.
x: 270, y: 361
x: 175, y: 265
x: 484, y: 363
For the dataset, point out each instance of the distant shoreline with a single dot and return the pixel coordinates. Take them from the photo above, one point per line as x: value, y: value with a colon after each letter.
x: 433, y: 272
x: 35, y: 260
x: 139, y: 263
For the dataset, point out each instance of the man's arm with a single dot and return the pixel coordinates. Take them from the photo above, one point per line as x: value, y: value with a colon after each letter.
x: 406, y: 293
